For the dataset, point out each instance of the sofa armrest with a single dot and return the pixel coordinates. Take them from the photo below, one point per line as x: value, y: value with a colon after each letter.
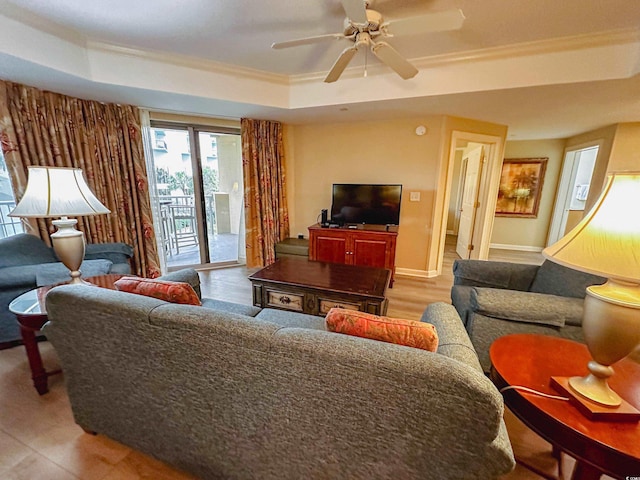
x: 188, y: 275
x: 453, y: 340
x: 527, y: 307
x: 483, y: 273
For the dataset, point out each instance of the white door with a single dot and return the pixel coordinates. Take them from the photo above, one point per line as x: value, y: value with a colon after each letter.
x: 471, y: 171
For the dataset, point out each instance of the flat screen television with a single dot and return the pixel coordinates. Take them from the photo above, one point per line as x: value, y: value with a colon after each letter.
x: 368, y: 204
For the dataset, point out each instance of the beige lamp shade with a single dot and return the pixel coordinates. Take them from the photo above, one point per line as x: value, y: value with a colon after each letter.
x: 57, y: 192
x: 607, y: 240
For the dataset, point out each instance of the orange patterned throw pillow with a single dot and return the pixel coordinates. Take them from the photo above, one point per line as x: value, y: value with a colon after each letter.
x: 393, y: 330
x: 174, y: 292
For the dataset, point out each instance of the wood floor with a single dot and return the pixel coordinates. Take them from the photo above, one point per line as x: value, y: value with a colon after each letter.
x: 39, y: 439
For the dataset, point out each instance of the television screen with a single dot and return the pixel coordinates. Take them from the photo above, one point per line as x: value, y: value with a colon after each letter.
x: 370, y: 204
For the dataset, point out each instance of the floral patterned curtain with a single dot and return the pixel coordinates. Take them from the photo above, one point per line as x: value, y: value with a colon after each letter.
x: 265, y: 199
x: 103, y: 139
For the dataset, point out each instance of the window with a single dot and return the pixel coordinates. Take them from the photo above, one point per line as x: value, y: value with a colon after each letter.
x: 8, y: 225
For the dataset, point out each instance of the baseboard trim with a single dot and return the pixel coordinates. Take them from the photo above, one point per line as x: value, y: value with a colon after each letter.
x: 521, y: 248
x: 409, y: 272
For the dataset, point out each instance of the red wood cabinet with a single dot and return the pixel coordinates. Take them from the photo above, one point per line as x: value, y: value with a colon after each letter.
x: 368, y: 245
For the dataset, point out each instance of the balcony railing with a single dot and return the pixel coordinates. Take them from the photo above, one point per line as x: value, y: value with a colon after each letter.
x: 9, y: 225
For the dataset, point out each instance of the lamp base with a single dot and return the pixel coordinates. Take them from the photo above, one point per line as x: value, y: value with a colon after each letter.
x: 68, y: 244
x: 596, y: 411
x: 594, y: 386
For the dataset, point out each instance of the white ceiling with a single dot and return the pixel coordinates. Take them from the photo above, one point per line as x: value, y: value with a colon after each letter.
x: 584, y: 57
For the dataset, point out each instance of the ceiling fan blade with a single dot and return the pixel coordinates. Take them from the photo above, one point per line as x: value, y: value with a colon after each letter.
x: 431, y: 22
x: 340, y: 64
x: 307, y: 40
x: 388, y: 55
x: 356, y: 10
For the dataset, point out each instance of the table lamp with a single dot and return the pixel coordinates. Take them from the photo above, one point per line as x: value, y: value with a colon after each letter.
x: 61, y: 192
x: 607, y: 243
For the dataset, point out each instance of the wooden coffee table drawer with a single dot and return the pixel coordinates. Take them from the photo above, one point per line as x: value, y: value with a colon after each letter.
x: 328, y: 304
x: 286, y: 300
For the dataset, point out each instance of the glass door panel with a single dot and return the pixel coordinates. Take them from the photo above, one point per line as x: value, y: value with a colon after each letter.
x: 221, y: 166
x: 198, y: 174
x: 176, y: 197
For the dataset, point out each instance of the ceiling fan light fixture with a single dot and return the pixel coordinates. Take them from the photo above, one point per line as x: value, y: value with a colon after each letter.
x: 364, y: 27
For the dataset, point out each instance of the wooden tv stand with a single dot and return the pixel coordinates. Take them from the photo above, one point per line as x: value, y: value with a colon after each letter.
x: 368, y: 245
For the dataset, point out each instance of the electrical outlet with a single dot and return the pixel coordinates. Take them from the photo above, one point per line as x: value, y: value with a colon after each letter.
x: 414, y: 197
x: 301, y: 236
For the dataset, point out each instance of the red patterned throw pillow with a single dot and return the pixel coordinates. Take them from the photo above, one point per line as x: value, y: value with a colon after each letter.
x: 174, y: 292
x: 393, y: 330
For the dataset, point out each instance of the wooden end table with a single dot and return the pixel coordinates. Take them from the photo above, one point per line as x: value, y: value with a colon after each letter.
x: 29, y: 309
x: 599, y: 447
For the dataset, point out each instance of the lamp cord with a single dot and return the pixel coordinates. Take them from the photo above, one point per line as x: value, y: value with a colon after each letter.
x: 535, y: 392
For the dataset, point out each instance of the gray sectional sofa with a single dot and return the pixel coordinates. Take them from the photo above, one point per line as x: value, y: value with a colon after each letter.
x: 231, y: 391
x: 500, y: 298
x: 26, y: 263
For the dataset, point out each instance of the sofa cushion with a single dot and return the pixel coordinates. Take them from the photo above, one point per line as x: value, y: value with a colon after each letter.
x: 554, y: 279
x: 174, y: 292
x: 527, y: 307
x: 392, y: 330
x: 52, y: 273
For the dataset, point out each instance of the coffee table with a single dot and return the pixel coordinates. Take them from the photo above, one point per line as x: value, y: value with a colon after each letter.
x: 305, y: 286
x: 29, y: 309
x: 612, y: 448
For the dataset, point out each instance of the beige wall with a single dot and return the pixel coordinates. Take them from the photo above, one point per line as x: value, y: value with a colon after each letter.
x: 385, y: 151
x: 367, y: 152
x: 625, y: 151
x: 532, y: 232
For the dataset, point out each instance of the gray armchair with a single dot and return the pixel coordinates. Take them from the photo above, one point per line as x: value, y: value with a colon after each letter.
x: 499, y: 298
x: 26, y: 262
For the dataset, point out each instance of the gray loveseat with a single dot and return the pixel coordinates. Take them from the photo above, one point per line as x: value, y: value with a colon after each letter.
x: 26, y: 262
x: 499, y: 298
x: 231, y: 391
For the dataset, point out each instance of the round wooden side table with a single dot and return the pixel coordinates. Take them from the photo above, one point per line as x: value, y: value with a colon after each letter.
x: 599, y: 447
x: 29, y: 309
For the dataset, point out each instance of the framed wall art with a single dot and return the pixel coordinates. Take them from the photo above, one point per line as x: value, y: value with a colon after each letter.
x: 520, y: 187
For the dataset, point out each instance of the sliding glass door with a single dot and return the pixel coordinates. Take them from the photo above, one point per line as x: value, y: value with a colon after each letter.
x: 198, y: 174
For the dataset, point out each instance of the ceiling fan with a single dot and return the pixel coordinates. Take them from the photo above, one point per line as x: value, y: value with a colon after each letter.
x: 364, y: 27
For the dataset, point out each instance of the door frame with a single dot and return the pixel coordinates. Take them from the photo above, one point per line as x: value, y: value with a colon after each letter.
x: 488, y: 196
x: 565, y: 188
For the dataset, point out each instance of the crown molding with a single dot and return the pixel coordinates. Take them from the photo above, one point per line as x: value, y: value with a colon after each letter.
x: 189, y: 62
x: 541, y: 47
